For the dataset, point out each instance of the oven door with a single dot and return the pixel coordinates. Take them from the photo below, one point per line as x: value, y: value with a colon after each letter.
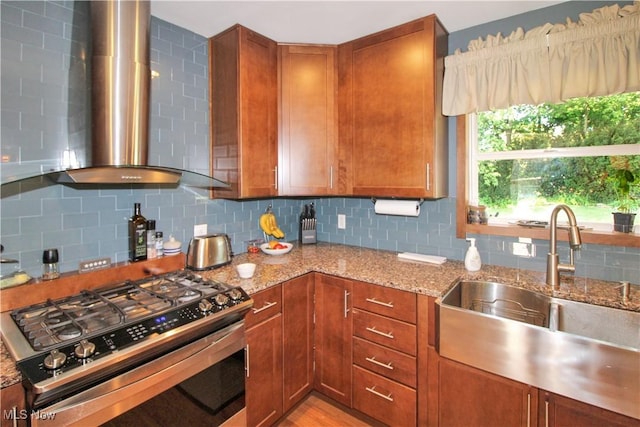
x: 181, y: 367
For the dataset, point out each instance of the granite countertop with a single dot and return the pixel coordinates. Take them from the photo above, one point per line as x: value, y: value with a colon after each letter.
x: 386, y: 269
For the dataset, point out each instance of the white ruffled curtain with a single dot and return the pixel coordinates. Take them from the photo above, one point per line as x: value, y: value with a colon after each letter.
x: 598, y: 55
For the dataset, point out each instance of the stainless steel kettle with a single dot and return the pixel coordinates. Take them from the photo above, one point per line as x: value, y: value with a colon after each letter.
x: 207, y: 252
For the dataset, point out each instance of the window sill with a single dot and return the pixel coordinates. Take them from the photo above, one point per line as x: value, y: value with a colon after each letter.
x: 611, y: 238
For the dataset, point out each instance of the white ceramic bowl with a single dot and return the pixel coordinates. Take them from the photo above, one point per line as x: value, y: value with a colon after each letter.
x: 267, y: 250
x: 246, y: 270
x: 172, y: 247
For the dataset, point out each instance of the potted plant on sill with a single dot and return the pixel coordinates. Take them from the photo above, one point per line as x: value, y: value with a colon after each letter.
x: 624, y: 179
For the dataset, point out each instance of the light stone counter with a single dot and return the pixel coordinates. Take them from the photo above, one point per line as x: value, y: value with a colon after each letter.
x: 386, y: 269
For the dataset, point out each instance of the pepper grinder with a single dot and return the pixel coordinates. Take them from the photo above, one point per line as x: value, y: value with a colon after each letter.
x: 50, y: 264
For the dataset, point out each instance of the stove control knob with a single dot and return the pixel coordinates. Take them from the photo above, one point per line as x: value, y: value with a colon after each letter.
x: 235, y: 294
x: 85, y: 349
x: 221, y: 299
x: 54, y: 360
x: 205, y: 306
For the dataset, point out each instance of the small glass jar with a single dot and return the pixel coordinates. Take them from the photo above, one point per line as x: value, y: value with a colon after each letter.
x: 50, y: 264
x: 159, y: 244
x: 253, y: 246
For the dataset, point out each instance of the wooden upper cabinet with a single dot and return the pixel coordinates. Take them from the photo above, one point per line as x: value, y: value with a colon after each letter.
x: 392, y: 131
x: 307, y: 81
x: 244, y: 116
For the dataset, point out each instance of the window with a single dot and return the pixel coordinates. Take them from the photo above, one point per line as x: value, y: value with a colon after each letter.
x: 526, y: 159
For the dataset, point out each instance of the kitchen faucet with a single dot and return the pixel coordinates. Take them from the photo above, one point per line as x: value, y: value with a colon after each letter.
x: 554, y: 267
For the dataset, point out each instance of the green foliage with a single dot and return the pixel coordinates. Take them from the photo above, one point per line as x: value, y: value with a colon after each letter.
x: 576, y: 123
x: 624, y: 180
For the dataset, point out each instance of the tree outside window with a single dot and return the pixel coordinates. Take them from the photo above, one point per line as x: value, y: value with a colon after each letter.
x: 527, y: 159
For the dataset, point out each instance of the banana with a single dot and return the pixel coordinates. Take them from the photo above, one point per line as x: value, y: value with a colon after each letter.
x: 269, y: 225
x: 265, y: 223
x: 275, y: 230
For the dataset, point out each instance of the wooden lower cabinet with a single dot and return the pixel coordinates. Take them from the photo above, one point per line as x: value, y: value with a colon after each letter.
x: 333, y: 331
x: 263, y: 384
x: 470, y: 397
x: 559, y: 411
x: 13, y: 403
x: 297, y: 333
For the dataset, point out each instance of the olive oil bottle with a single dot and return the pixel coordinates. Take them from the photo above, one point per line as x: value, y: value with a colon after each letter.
x: 137, y: 235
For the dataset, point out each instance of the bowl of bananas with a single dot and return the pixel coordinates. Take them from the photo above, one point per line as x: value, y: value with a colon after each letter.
x: 274, y: 247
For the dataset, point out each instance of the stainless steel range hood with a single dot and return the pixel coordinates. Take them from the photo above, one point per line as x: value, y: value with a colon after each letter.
x: 120, y: 82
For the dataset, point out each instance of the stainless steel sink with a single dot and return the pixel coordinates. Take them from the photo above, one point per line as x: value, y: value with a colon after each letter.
x: 582, y: 351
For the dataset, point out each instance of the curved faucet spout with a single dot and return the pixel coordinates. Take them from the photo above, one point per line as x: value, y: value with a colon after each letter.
x: 575, y: 241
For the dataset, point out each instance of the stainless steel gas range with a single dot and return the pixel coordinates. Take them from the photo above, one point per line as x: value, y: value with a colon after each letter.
x: 90, y: 357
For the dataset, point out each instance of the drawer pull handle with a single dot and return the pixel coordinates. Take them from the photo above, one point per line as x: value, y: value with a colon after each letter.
x: 264, y: 307
x: 384, y: 334
x: 375, y: 301
x: 377, y: 393
x: 373, y: 360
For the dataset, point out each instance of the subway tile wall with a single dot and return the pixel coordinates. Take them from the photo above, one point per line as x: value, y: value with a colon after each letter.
x: 87, y: 224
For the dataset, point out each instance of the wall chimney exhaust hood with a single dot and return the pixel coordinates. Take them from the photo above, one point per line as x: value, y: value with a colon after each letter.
x: 120, y: 92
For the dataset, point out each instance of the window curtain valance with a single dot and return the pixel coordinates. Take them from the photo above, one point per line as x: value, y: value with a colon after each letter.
x: 598, y: 55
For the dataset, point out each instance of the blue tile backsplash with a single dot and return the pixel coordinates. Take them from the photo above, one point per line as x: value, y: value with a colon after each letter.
x: 45, y: 100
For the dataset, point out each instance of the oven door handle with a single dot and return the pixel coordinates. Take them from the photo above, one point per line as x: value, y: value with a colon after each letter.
x: 125, y: 391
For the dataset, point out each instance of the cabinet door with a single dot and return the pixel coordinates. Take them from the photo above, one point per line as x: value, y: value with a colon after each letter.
x: 244, y: 89
x: 333, y: 338
x: 307, y: 163
x: 471, y: 397
x: 559, y: 411
x: 297, y: 316
x: 13, y: 406
x: 263, y: 392
x: 390, y: 89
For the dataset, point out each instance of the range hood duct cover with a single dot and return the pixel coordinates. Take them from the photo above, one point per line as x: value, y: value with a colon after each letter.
x: 121, y: 81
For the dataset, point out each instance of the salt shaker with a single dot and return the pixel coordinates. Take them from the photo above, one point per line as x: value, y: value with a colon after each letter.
x: 50, y: 264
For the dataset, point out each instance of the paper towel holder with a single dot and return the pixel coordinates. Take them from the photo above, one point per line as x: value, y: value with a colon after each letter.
x: 374, y: 200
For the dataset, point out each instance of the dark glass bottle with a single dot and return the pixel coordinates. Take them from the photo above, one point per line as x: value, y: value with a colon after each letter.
x: 137, y: 235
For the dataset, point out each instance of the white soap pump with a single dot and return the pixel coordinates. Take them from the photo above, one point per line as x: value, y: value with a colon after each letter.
x: 472, y: 261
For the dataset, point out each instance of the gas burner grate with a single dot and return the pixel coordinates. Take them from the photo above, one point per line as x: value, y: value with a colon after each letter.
x: 54, y: 322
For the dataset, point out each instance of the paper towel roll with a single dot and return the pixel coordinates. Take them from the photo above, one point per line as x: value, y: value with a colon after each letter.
x: 397, y: 207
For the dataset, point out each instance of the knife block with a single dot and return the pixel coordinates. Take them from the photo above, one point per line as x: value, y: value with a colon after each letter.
x: 307, y: 234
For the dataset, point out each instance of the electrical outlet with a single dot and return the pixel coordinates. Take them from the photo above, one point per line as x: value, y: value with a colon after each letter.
x: 94, y: 264
x: 524, y: 248
x: 199, y: 230
x: 342, y: 221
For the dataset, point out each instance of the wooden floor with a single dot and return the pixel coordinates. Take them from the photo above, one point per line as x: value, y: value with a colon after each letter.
x: 318, y: 411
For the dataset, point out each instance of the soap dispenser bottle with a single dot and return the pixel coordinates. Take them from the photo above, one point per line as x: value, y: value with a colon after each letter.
x: 472, y: 261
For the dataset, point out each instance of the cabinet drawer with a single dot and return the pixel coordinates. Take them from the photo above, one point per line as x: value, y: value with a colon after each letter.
x: 388, y: 302
x: 388, y: 401
x: 385, y: 361
x: 266, y: 304
x: 391, y: 333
